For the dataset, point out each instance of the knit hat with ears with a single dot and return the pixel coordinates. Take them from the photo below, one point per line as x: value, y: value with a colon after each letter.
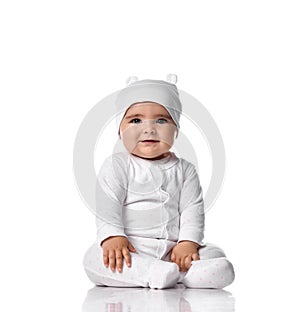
x: 161, y: 92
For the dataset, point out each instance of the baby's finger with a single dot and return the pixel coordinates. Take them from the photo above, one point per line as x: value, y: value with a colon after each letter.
x: 105, y: 257
x: 126, y: 255
x: 131, y: 248
x: 119, y: 260
x: 195, y: 256
x: 173, y: 257
x: 188, y: 262
x: 112, y: 260
x: 182, y: 265
x: 177, y: 261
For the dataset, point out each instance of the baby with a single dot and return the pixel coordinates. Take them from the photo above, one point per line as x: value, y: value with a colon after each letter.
x: 150, y: 212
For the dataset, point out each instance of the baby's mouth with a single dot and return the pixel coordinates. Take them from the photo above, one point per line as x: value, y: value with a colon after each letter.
x: 149, y: 141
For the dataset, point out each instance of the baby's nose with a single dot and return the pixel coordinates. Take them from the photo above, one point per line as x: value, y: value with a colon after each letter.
x: 149, y: 126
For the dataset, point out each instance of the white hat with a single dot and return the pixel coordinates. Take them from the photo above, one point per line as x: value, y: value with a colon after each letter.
x: 161, y: 92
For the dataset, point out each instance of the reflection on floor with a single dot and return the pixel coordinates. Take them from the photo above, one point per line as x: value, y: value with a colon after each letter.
x: 179, y: 299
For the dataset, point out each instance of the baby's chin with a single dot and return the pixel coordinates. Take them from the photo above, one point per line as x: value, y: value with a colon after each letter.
x: 152, y: 157
x: 149, y: 151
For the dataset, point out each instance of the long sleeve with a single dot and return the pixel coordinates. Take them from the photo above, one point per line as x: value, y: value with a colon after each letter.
x: 110, y: 196
x: 191, y: 208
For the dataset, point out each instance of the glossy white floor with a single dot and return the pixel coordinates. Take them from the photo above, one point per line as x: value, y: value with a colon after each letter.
x: 178, y: 299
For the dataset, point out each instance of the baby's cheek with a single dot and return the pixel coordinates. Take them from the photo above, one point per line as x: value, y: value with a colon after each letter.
x: 167, y: 136
x: 129, y: 140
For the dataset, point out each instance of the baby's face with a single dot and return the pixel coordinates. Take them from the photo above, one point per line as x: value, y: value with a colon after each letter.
x: 147, y: 130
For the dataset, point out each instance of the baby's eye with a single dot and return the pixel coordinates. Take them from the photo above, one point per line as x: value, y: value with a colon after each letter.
x: 161, y: 121
x: 135, y: 120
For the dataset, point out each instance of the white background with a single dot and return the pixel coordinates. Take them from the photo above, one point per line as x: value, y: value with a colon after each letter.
x: 59, y: 58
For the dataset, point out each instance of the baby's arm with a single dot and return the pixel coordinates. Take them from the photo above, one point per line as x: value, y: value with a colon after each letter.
x: 191, y: 209
x: 110, y: 195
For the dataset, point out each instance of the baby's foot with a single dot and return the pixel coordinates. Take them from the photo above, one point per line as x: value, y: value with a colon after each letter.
x: 209, y: 273
x: 163, y: 274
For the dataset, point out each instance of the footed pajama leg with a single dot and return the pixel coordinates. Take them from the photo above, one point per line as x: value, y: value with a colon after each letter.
x: 213, y: 270
x: 145, y: 271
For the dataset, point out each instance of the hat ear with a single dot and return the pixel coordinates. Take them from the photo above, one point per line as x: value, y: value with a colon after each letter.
x: 172, y: 78
x: 131, y: 79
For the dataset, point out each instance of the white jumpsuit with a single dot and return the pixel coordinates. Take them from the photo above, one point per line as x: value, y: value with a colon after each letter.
x: 155, y: 204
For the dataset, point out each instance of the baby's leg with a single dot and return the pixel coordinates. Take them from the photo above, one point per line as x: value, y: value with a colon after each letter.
x: 213, y: 270
x: 145, y: 271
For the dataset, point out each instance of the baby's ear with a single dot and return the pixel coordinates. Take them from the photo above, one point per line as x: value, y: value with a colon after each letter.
x: 131, y: 79
x: 172, y: 78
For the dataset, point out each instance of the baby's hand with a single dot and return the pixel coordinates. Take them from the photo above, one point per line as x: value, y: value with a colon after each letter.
x: 114, y: 249
x: 184, y: 253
